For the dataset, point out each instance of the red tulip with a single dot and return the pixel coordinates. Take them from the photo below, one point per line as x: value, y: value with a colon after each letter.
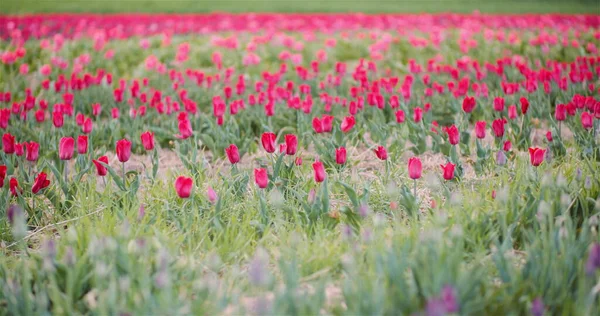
x: 87, y: 126
x: 453, y: 134
x: 524, y: 105
x: 340, y: 155
x: 57, y: 119
x: 507, y: 145
x: 549, y: 136
x: 468, y: 104
x: 381, y: 153
x: 317, y: 125
x: 66, y: 148
x: 414, y: 168
x: 79, y: 119
x: 448, y: 170
x: 40, y: 116
x: 185, y: 129
x: 114, y: 112
x: 82, y: 144
x: 400, y: 116
x: 261, y: 178
x: 123, y: 149
x: 19, y: 149
x: 512, y: 112
x: 8, y: 143
x: 498, y: 127
x: 232, y: 154
x: 212, y: 195
x: 587, y: 120
x: 33, y: 151
x: 417, y: 114
x: 480, y: 129
x: 498, y: 104
x: 147, y: 139
x: 2, y: 174
x: 13, y: 185
x: 291, y: 143
x: 347, y: 124
x: 183, y: 187
x: 100, y: 168
x: 268, y: 142
x: 41, y: 182
x: 537, y: 156
x: 282, y: 148
x: 298, y: 161
x: 320, y: 174
x: 327, y: 123
x: 560, y: 113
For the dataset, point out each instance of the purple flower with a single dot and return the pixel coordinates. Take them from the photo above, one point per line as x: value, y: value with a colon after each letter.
x: 593, y: 262
x: 435, y: 307
x: 446, y: 303
x: 537, y: 307
x: 450, y: 299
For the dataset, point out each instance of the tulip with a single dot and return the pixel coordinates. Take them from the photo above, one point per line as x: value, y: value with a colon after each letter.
x: 317, y: 125
x: 268, y: 142
x: 57, y: 119
x: 183, y: 187
x: 13, y: 185
x: 507, y: 145
x: 33, y: 151
x: 82, y: 144
x: 512, y: 112
x: 2, y: 174
x: 100, y: 168
x: 41, y: 182
x: 537, y: 156
x: 414, y: 168
x: 115, y: 113
x: 232, y: 154
x: 560, y: 113
x: 448, y: 170
x: 147, y: 139
x: 347, y: 124
x: 123, y: 149
x: 417, y: 115
x: 498, y: 104
x: 212, y: 195
x: 87, y: 126
x: 298, y: 161
x: 468, y: 104
x: 79, y: 119
x: 400, y: 116
x: 453, y: 134
x: 291, y: 143
x: 587, y: 120
x: 327, y: 123
x: 40, y: 116
x: 8, y: 143
x: 381, y: 153
x: 498, y: 127
x: 260, y: 178
x: 340, y: 155
x: 19, y: 149
x: 66, y: 147
x: 480, y: 129
x: 185, y: 129
x: 320, y: 174
x: 524, y: 105
x: 549, y: 136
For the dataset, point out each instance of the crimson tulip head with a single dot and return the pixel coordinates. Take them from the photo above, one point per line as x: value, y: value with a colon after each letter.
x: 587, y: 120
x: 417, y: 114
x: 261, y: 178
x: 291, y: 144
x: 41, y: 182
x: 100, y: 168
x: 507, y: 146
x: 268, y: 142
x: 340, y: 155
x: 453, y: 134
x: 19, y: 149
x: 512, y: 112
x: 448, y: 170
x: 82, y: 144
x: 185, y: 129
x: 298, y: 161
x: 347, y: 124
x: 524, y: 105
x: 319, y: 170
x: 381, y: 153
x: 66, y: 148
x: 468, y: 104
x: 400, y: 116
x: 2, y: 175
x: 549, y: 136
x: 317, y: 125
x: 480, y: 129
x: 123, y: 149
x: 560, y: 113
x: 536, y: 156
x: 415, y: 168
x: 498, y: 104
x: 498, y: 127
x: 13, y: 185
x: 147, y: 139
x: 183, y: 187
x: 8, y: 143
x: 327, y: 122
x: 233, y: 154
x: 57, y: 119
x: 87, y: 126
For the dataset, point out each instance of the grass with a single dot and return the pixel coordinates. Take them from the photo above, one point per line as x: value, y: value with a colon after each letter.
x: 240, y: 6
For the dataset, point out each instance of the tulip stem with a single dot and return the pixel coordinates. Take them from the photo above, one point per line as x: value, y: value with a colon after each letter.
x: 66, y: 172
x: 123, y: 171
x: 415, y: 188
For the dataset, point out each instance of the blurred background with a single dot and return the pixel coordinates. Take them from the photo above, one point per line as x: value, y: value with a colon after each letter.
x: 366, y: 6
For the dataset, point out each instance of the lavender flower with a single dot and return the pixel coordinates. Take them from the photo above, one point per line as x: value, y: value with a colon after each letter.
x: 593, y: 262
x: 449, y: 298
x: 501, y: 158
x: 537, y: 307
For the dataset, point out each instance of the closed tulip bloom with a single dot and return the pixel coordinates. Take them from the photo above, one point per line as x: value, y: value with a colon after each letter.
x: 512, y: 112
x: 298, y: 161
x: 79, y: 119
x: 19, y: 149
x: 549, y: 136
x: 232, y: 154
x: 82, y: 144
x: 183, y: 187
x: 185, y: 129
x: 291, y: 143
x: 480, y: 129
x: 507, y: 146
x: 498, y: 127
x: 260, y: 178
x: 100, y: 168
x: 453, y: 134
x: 57, y: 119
x: 268, y: 142
x: 2, y: 175
x: 537, y: 156
x: 340, y: 155
x: 147, y: 139
x: 211, y: 195
x: 317, y: 125
x: 400, y: 116
x: 41, y: 182
x: 587, y: 120
x: 8, y: 143
x: 524, y: 105
x: 114, y: 112
x: 560, y: 113
x: 414, y: 168
x: 13, y: 185
x: 87, y: 126
x: 123, y: 149
x: 498, y: 104
x: 40, y: 116
x: 347, y: 124
x: 66, y: 147
x: 381, y: 153
x: 468, y: 104
x: 417, y: 115
x: 448, y: 170
x: 33, y: 151
x: 319, y: 170
x: 327, y: 123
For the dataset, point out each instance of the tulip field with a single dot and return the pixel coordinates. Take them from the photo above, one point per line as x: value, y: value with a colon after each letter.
x: 300, y: 164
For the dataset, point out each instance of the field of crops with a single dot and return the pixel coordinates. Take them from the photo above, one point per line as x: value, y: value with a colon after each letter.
x: 300, y: 164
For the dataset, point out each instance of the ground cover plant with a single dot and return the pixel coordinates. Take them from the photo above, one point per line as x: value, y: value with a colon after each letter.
x: 335, y: 164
